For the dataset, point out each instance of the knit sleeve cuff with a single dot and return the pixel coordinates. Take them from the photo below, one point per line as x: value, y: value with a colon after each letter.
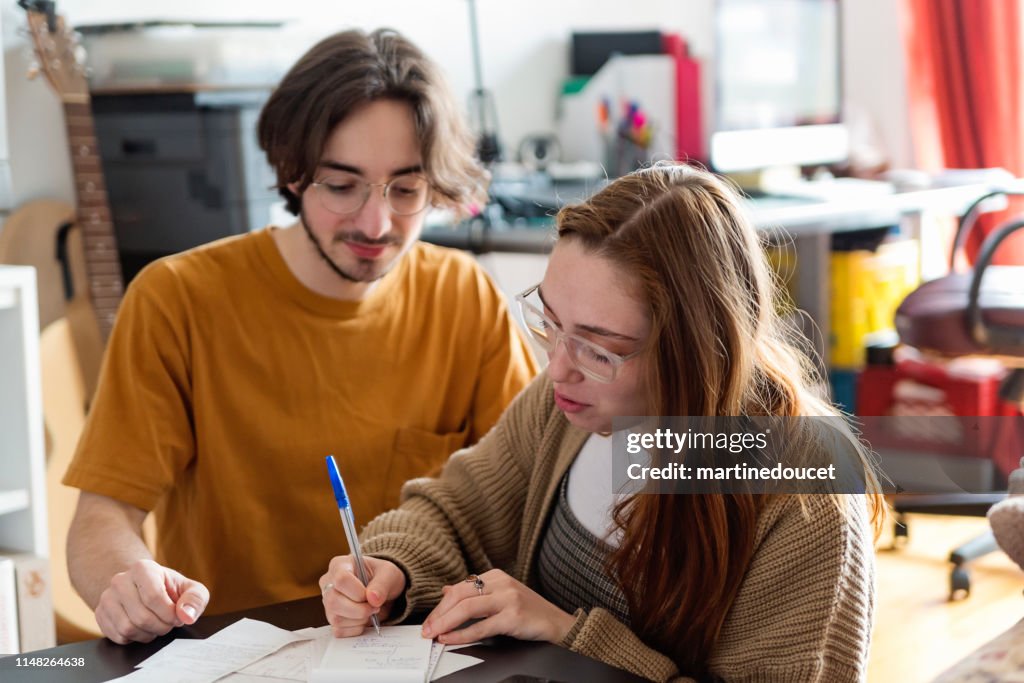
x: 580, y: 617
x: 422, y: 590
x: 599, y: 634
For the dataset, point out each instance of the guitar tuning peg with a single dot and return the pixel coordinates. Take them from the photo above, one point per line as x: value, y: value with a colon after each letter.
x: 79, y: 54
x: 32, y: 71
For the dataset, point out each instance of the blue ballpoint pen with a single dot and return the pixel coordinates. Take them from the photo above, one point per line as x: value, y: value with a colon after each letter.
x: 349, y: 522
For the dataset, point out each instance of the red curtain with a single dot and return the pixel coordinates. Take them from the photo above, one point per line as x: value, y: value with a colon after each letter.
x: 963, y: 73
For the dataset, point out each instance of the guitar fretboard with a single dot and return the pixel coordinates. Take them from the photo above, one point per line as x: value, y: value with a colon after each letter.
x: 103, y: 267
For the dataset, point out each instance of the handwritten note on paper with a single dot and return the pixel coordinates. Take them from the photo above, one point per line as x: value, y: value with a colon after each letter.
x: 398, y: 655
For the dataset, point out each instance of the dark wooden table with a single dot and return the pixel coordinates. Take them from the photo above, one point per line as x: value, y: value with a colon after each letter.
x: 503, y: 657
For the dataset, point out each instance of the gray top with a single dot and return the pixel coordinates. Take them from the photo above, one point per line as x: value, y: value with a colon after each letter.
x: 571, y: 564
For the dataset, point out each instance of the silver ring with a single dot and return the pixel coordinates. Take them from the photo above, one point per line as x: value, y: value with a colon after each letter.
x: 477, y: 582
x: 326, y: 588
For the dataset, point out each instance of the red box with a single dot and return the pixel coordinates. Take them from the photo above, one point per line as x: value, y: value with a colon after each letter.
x: 945, y: 409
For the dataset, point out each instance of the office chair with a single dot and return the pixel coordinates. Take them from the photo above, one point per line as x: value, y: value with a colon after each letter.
x: 974, y: 313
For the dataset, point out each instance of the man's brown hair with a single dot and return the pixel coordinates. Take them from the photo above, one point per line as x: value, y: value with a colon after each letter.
x: 347, y: 70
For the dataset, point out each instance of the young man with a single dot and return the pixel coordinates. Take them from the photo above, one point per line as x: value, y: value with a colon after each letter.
x: 235, y: 368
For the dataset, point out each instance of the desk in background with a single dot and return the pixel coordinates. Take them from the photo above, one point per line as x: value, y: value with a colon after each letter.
x: 809, y: 223
x: 502, y: 657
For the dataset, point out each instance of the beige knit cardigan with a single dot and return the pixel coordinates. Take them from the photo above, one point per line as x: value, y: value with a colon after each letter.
x: 803, y: 612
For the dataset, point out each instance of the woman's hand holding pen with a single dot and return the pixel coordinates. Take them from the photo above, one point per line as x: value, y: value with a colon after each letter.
x: 148, y: 600
x: 503, y: 605
x: 348, y: 604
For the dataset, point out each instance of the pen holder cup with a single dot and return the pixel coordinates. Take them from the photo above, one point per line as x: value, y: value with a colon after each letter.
x: 624, y: 155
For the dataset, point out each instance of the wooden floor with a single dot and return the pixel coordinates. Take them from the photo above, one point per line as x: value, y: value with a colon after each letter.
x: 918, y: 632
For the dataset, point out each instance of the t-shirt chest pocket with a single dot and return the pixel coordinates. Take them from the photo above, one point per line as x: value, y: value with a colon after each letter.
x: 419, y: 453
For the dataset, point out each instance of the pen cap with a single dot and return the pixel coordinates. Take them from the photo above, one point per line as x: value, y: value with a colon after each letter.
x: 339, y: 486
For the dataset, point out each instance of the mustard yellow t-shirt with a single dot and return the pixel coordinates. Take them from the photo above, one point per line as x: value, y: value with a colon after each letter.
x: 226, y: 383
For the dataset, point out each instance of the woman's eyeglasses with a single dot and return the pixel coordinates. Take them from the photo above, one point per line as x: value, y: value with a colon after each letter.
x: 593, y: 361
x: 344, y: 193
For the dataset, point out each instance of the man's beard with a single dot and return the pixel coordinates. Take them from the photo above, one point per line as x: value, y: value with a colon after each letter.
x: 365, y: 270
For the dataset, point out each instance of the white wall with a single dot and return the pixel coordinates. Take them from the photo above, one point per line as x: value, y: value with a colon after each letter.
x: 524, y: 48
x: 524, y: 45
x: 874, y: 73
x: 35, y: 140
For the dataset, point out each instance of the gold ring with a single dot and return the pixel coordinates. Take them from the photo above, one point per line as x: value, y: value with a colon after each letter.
x: 477, y: 582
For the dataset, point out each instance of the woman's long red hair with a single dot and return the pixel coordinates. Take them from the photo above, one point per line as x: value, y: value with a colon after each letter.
x: 718, y: 347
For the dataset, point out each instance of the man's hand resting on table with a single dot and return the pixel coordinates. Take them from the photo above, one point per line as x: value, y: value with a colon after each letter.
x: 148, y: 600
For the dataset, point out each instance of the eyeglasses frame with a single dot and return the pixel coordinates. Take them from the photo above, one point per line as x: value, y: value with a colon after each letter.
x: 385, y: 188
x: 560, y: 336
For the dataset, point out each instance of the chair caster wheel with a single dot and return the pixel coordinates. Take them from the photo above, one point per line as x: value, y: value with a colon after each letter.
x: 959, y: 584
x: 900, y: 532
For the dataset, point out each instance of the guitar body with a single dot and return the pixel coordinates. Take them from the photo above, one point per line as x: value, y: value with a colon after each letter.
x: 70, y: 350
x: 30, y: 237
x: 64, y: 401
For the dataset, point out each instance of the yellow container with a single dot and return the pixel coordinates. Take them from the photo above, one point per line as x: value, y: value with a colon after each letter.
x: 866, y: 289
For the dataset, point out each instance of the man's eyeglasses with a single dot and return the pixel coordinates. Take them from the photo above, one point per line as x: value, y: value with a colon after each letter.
x: 593, y: 361
x: 344, y: 193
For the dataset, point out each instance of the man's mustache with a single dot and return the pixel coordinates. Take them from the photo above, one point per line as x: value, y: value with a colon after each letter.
x: 360, y: 238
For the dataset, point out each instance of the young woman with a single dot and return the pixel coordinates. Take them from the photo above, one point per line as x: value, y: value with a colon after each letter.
x: 657, y: 300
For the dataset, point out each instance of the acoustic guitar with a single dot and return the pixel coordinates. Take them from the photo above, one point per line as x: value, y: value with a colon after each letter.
x: 90, y: 284
x: 42, y: 234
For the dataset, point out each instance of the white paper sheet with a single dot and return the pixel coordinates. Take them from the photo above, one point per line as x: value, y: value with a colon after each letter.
x: 436, y: 650
x: 451, y: 662
x: 318, y: 646
x: 399, y: 655
x: 249, y: 678
x: 293, y: 662
x: 204, y: 661
x: 251, y: 651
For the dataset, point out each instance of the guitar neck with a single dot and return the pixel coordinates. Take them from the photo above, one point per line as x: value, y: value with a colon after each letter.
x: 103, y: 266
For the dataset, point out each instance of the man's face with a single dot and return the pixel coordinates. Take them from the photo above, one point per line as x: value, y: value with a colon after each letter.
x: 376, y: 143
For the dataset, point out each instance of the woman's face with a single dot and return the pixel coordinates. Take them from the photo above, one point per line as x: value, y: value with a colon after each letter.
x: 588, y: 296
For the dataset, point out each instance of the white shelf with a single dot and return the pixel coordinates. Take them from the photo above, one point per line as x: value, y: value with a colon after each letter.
x: 13, y: 501
x: 23, y: 525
